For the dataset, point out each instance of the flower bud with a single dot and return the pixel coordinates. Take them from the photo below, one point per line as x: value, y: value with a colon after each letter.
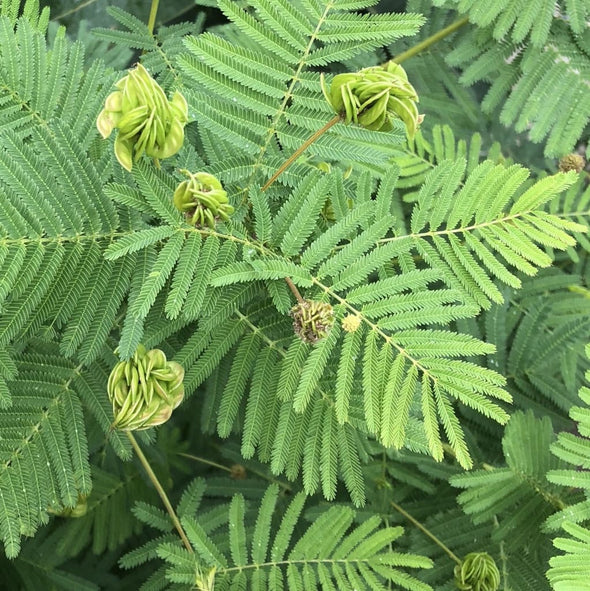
x: 477, y: 572
x: 572, y: 162
x: 351, y: 323
x: 374, y: 96
x: 147, y: 121
x: 312, y: 320
x: 144, y: 390
x: 202, y: 199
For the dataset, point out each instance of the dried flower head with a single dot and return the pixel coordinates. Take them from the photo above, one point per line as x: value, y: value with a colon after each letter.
x: 374, y: 97
x: 572, y: 162
x: 477, y: 572
x: 144, y: 390
x: 238, y: 472
x: 312, y: 320
x: 202, y: 199
x: 147, y: 121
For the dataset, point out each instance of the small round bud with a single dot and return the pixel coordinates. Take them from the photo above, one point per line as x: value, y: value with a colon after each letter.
x: 572, y: 162
x: 147, y: 121
x: 144, y: 390
x: 238, y: 472
x: 351, y: 323
x: 374, y: 97
x: 477, y: 572
x: 312, y: 320
x: 202, y: 199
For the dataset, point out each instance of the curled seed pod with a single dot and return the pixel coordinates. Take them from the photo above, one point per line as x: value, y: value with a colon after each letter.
x: 202, y: 199
x: 351, y: 323
x: 374, y: 97
x: 312, y: 320
x: 147, y: 121
x: 144, y: 390
x: 572, y: 162
x: 477, y: 572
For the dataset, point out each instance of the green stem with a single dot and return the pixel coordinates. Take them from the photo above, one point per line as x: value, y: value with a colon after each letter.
x: 426, y: 532
x: 222, y: 467
x: 152, y: 476
x: 204, y: 461
x: 431, y: 40
x: 74, y: 10
x: 152, y: 17
x: 300, y: 150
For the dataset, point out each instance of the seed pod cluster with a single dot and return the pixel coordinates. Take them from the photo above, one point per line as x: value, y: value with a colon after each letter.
x: 202, y: 199
x: 312, y: 320
x: 144, y: 390
x: 147, y: 121
x: 477, y: 572
x: 374, y: 97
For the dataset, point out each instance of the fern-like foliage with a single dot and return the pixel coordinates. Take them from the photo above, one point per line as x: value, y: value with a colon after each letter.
x: 541, y: 90
x: 258, y: 110
x: 418, y: 248
x: 159, y: 50
x: 519, y: 496
x: 567, y: 571
x: 45, y: 458
x: 305, y: 400
x: 522, y: 19
x: 415, y: 164
x: 239, y: 546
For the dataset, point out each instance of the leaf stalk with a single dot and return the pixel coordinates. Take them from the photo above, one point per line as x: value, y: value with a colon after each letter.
x: 438, y: 36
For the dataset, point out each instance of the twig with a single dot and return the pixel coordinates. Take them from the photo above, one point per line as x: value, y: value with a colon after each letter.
x: 300, y: 150
x: 152, y: 476
x: 294, y: 289
x: 430, y: 40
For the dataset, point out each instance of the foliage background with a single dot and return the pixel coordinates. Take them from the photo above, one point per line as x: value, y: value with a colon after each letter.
x: 528, y: 478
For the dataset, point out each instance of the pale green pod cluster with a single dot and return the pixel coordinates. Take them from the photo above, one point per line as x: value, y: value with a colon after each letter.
x: 202, y: 199
x: 374, y: 97
x: 147, y: 121
x: 312, y: 320
x: 477, y: 572
x: 144, y: 390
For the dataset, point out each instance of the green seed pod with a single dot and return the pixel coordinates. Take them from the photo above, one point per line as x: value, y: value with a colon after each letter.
x: 477, y: 572
x: 374, y: 96
x: 202, y: 199
x: 147, y: 121
x: 145, y: 390
x: 572, y: 162
x: 312, y: 320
